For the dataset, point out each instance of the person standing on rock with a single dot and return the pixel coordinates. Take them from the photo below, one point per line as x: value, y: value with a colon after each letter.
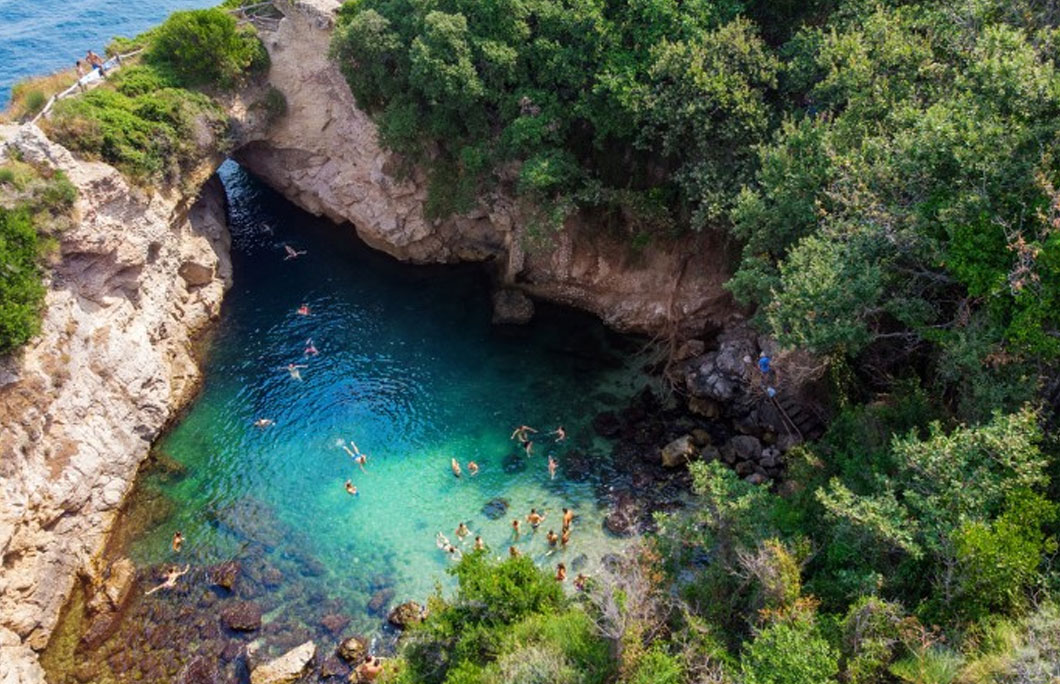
x: 178, y: 541
x: 171, y: 579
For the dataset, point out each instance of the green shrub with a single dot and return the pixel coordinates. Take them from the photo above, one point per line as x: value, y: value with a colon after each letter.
x: 789, y: 653
x: 206, y: 47
x: 932, y: 666
x: 656, y: 666
x: 35, y: 101
x: 21, y: 290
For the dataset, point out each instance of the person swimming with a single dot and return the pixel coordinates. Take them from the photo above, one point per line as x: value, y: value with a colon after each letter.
x: 350, y: 488
x: 568, y: 518
x: 561, y: 572
x: 552, y: 468
x: 370, y: 669
x: 178, y: 541
x: 310, y: 349
x: 360, y: 459
x: 262, y: 423
x: 479, y: 544
x: 171, y: 579
x: 455, y: 466
x: 462, y: 531
x: 303, y: 310
x: 560, y: 433
x: 515, y: 527
x: 528, y: 447
x: 292, y: 253
x: 552, y: 537
x: 565, y: 539
x: 442, y: 542
x: 472, y: 468
x: 520, y: 433
x: 293, y: 369
x: 535, y: 518
x: 580, y: 581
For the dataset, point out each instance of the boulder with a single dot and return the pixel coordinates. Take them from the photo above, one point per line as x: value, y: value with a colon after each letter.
x: 335, y: 622
x: 196, y: 274
x: 352, y: 650
x: 746, y: 448
x: 744, y: 468
x: 770, y: 457
x: 623, y: 515
x: 377, y: 605
x: 241, y: 616
x: 607, y: 424
x: 700, y: 437
x: 678, y: 452
x: 494, y: 509
x: 512, y: 307
x: 287, y: 668
x: 709, y: 454
x: 405, y: 615
x: 116, y: 588
x: 333, y: 667
x: 707, y: 408
x: 225, y: 575
x: 689, y: 349
x: 757, y: 478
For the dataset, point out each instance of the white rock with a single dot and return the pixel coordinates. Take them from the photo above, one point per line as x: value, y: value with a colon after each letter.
x: 287, y: 668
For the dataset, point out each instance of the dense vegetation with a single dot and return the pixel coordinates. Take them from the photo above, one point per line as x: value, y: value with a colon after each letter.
x: 888, y: 169
x: 35, y: 205
x: 148, y: 122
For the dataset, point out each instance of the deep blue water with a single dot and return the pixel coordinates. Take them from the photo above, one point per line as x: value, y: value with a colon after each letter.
x: 42, y: 36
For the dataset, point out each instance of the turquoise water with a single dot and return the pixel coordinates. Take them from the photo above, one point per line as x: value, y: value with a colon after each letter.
x: 411, y: 369
x: 41, y: 36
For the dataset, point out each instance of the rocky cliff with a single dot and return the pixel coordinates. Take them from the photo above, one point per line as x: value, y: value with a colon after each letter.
x: 325, y: 155
x: 136, y: 277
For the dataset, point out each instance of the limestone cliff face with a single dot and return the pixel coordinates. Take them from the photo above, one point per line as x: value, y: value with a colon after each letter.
x: 325, y: 156
x: 136, y: 278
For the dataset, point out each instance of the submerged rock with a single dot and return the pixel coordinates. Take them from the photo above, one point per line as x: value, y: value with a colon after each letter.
x: 377, y: 605
x: 241, y: 616
x: 511, y: 307
x: 287, y: 668
x: 495, y: 508
x: 225, y: 574
x: 335, y: 622
x: 408, y: 613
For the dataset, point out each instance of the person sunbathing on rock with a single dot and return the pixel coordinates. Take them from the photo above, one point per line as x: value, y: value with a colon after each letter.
x: 171, y: 579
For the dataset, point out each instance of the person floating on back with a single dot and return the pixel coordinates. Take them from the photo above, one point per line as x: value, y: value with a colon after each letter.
x: 455, y: 466
x: 292, y: 253
x: 293, y: 369
x: 171, y: 579
x: 360, y: 459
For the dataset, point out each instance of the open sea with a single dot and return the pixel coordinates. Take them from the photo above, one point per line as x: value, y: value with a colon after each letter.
x: 42, y: 36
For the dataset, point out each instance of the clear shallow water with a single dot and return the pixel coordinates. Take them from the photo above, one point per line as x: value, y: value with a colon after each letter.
x: 411, y: 369
x: 42, y: 36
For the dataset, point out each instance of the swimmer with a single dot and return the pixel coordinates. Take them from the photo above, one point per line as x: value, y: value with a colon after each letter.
x: 455, y: 466
x: 528, y: 447
x: 515, y: 527
x: 580, y: 580
x: 520, y: 433
x: 293, y: 370
x: 462, y: 531
x: 350, y: 489
x: 513, y: 552
x: 171, y: 579
x: 568, y: 518
x: 360, y: 459
x: 552, y: 468
x: 310, y: 349
x: 303, y: 310
x: 535, y: 518
x: 442, y: 542
x: 552, y: 537
x: 262, y: 423
x: 479, y: 544
x: 472, y: 468
x: 560, y: 433
x: 292, y: 253
x: 565, y: 539
x: 561, y: 572
x: 178, y: 541
x: 370, y: 668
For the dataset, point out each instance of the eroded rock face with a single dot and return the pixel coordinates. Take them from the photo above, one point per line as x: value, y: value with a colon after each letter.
x: 325, y: 156
x: 81, y: 403
x: 287, y: 668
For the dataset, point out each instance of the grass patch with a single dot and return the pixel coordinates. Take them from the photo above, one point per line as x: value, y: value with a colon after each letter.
x: 29, y: 96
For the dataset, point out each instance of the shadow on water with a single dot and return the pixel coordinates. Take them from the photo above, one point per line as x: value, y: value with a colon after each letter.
x: 411, y: 370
